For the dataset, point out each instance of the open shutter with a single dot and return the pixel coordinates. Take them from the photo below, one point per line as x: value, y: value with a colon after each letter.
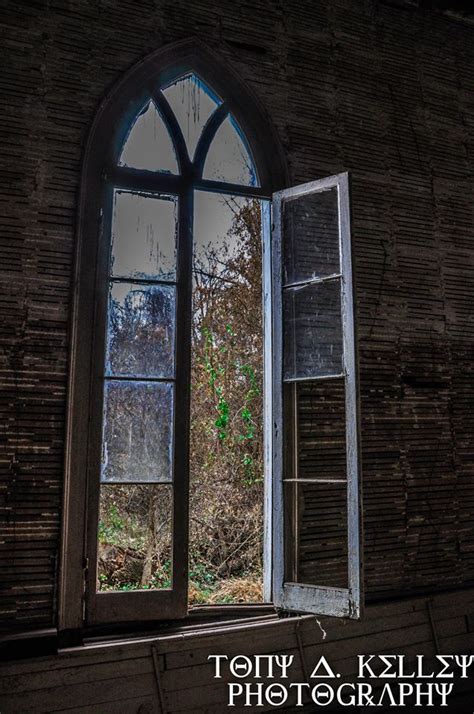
x: 314, y: 402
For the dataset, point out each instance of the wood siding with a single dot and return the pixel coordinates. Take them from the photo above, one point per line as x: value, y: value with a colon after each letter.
x: 172, y: 674
x: 383, y: 91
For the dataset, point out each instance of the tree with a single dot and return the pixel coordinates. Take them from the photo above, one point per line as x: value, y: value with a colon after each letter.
x: 226, y: 420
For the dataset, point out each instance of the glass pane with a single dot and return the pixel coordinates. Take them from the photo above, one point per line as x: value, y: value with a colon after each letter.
x: 137, y: 440
x: 144, y: 236
x: 135, y: 537
x: 311, y: 236
x: 148, y: 144
x: 228, y: 158
x: 192, y: 103
x: 316, y: 534
x: 141, y: 330
x: 312, y: 330
x: 320, y: 429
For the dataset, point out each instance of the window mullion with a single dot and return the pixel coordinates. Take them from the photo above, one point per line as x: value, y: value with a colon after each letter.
x: 182, y: 397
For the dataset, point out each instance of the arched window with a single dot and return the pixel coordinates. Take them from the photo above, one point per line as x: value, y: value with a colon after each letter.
x: 176, y: 124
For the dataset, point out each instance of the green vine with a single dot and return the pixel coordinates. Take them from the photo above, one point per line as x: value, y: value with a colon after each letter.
x: 217, y: 373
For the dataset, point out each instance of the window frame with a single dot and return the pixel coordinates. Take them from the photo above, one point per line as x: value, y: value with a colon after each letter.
x: 323, y: 600
x: 100, y: 175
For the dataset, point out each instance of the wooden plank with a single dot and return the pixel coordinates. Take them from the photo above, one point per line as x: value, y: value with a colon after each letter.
x: 140, y: 705
x: 60, y: 698
x: 85, y: 673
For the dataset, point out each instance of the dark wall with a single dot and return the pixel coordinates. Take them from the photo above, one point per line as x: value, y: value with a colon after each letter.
x: 384, y: 91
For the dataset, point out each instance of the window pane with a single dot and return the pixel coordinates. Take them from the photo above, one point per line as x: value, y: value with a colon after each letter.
x: 311, y: 236
x: 316, y: 534
x: 137, y: 441
x: 228, y: 158
x: 148, y: 145
x: 141, y: 330
x: 192, y: 103
x: 320, y: 429
x: 135, y: 537
x: 312, y: 330
x: 144, y: 236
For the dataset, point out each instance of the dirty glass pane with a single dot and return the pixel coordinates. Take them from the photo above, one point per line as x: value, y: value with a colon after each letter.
x: 141, y: 330
x: 192, y: 103
x: 135, y: 537
x: 312, y: 330
x: 319, y: 429
x: 316, y: 534
x: 148, y: 145
x: 144, y: 236
x: 137, y: 439
x: 311, y: 236
x: 228, y: 158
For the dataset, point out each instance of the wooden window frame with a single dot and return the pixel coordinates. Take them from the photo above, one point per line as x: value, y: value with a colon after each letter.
x: 334, y: 601
x: 101, y: 174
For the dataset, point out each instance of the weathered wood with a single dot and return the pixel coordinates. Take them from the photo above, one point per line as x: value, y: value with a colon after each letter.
x: 137, y: 705
x: 384, y: 92
x: 325, y: 527
x: 103, y: 676
x: 110, y: 690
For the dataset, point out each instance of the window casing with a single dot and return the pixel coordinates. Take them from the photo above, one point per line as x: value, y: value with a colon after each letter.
x: 80, y: 603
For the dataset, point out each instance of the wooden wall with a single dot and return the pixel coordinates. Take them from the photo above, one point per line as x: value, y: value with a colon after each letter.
x: 172, y: 674
x: 385, y: 91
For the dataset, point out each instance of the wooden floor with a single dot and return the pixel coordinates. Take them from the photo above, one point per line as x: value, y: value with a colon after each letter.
x: 171, y: 674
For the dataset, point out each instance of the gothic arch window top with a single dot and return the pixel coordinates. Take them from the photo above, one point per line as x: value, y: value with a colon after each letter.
x: 192, y: 103
x: 186, y: 129
x: 172, y: 120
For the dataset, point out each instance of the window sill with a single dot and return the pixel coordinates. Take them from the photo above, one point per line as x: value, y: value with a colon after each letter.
x: 201, y: 618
